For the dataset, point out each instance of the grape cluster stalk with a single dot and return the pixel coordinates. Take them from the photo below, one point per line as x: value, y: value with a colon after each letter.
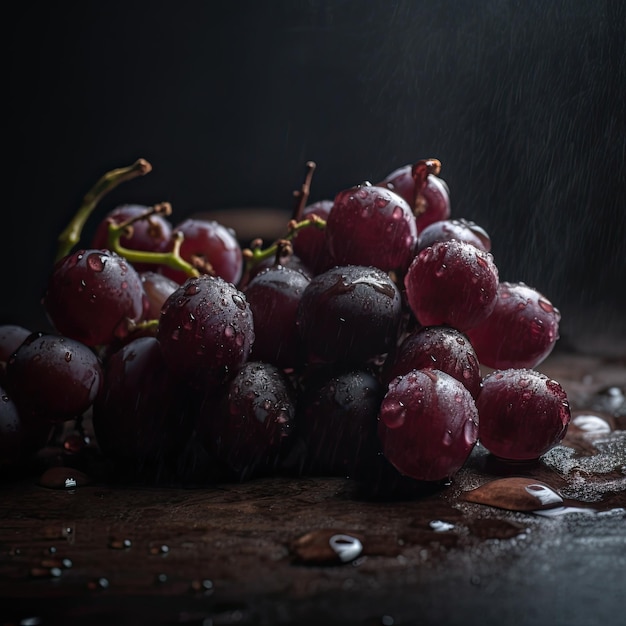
x: 375, y: 340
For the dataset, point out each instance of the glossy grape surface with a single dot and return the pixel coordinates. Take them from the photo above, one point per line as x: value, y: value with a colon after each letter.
x: 461, y: 229
x: 369, y: 225
x: 94, y: 296
x: 249, y: 426
x: 349, y: 314
x: 274, y: 296
x: 520, y: 332
x: 309, y: 244
x: 523, y: 414
x: 211, y: 247
x: 206, y: 329
x: 452, y: 283
x: 437, y: 347
x: 428, y: 424
x: 66, y: 374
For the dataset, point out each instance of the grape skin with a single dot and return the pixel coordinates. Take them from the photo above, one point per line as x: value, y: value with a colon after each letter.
x: 206, y: 329
x: 94, y: 296
x: 342, y: 306
x: 428, y: 425
x: 523, y: 414
x: 66, y: 373
x: 452, y: 283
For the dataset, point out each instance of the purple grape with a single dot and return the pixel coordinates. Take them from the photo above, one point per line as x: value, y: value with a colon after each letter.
x: 94, y: 296
x: 523, y: 414
x: 422, y: 189
x: 437, y: 347
x: 461, y: 229
x: 349, y: 314
x: 274, y: 296
x: 248, y: 427
x: 452, y: 283
x: 309, y: 244
x: 158, y: 288
x: 140, y: 418
x: 337, y: 420
x: 428, y: 425
x: 206, y: 329
x: 65, y: 373
x: 11, y: 337
x: 520, y: 332
x: 209, y: 246
x: 151, y: 234
x: 371, y: 226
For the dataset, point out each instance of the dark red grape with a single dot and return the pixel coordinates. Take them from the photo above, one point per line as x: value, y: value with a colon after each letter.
x: 65, y: 373
x: 158, y: 288
x: 437, y: 347
x: 426, y: 193
x: 210, y: 247
x: 274, y: 296
x: 428, y: 425
x: 140, y: 418
x: 151, y: 234
x: 520, y: 332
x: 11, y: 337
x: 369, y: 225
x: 349, y: 314
x: 249, y: 426
x: 337, y: 421
x: 309, y: 244
x: 523, y: 414
x: 94, y: 296
x: 452, y: 283
x: 206, y: 329
x: 461, y: 229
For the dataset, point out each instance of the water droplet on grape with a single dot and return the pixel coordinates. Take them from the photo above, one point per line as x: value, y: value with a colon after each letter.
x: 239, y: 302
x: 546, y: 305
x: 96, y: 262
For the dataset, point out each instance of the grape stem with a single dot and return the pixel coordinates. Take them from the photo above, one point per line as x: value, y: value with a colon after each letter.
x: 302, y: 194
x: 171, y: 259
x: 71, y: 235
x: 256, y: 253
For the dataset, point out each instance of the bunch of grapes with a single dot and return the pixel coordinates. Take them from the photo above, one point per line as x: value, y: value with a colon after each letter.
x: 376, y: 340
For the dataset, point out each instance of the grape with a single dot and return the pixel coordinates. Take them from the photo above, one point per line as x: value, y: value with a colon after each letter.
x: 206, y: 329
x: 94, y: 296
x: 151, y: 234
x: 372, y: 226
x: 452, y: 283
x: 523, y: 414
x: 349, y: 314
x: 426, y: 193
x: 66, y: 374
x: 309, y: 244
x: 11, y: 337
x: 337, y: 420
x: 520, y: 332
x: 428, y: 424
x: 158, y: 288
x: 274, y: 296
x: 249, y: 427
x: 437, y: 347
x: 210, y: 247
x: 139, y: 418
x: 461, y: 229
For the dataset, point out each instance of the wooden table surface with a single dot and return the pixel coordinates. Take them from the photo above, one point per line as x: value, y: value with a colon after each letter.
x: 258, y: 552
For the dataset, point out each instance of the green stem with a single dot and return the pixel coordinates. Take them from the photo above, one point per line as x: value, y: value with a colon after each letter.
x: 255, y: 255
x: 71, y: 235
x: 171, y: 259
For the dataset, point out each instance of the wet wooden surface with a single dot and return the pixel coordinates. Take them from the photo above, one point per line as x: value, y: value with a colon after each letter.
x: 257, y: 552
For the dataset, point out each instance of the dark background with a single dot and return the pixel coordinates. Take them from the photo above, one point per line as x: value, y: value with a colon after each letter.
x: 522, y: 101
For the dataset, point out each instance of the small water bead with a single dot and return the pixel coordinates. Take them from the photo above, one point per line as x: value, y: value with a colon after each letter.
x: 440, y: 526
x: 96, y: 262
x: 120, y: 544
